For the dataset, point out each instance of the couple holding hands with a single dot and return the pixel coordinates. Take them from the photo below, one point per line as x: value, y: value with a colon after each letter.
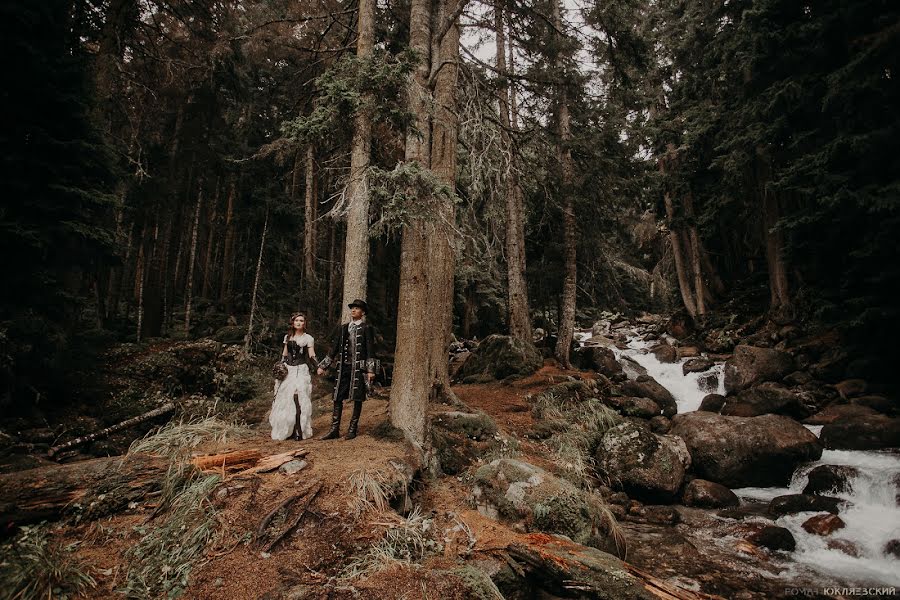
x: 352, y: 354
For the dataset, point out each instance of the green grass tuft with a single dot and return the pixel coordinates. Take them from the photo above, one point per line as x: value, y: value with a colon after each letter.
x: 32, y: 568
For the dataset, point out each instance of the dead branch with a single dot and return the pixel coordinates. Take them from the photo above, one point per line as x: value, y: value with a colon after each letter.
x: 156, y: 412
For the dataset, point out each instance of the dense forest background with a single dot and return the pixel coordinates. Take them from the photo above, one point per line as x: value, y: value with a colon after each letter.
x: 188, y: 168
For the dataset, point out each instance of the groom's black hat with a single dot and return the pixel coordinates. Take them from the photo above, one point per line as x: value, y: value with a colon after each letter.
x: 360, y: 303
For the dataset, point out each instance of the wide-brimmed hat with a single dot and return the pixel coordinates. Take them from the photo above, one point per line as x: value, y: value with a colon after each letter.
x: 360, y: 303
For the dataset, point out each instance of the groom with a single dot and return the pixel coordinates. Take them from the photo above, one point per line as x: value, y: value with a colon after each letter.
x: 353, y: 351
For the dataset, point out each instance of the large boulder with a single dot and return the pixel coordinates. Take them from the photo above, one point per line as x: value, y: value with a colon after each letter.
x: 696, y: 365
x: 648, y: 467
x: 664, y: 353
x: 790, y: 504
x: 461, y: 438
x: 751, y: 365
x: 766, y: 398
x: 600, y: 359
x: 712, y: 403
x: 708, y: 494
x: 519, y: 491
x: 839, y: 413
x: 500, y: 356
x: 647, y: 387
x: 745, y: 451
x: 826, y: 480
x: 872, y: 432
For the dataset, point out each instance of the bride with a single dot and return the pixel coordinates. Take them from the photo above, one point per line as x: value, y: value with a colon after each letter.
x: 291, y: 414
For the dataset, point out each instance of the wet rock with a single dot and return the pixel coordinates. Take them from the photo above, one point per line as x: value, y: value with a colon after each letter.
x: 774, y: 538
x: 655, y: 514
x: 602, y: 360
x: 680, y: 325
x: 832, y: 365
x: 643, y: 408
x: 687, y: 352
x: 660, y: 424
x: 798, y: 378
x: 766, y: 398
x: 501, y: 356
x: 881, y: 404
x: 708, y: 382
x: 823, y: 525
x: 521, y: 492
x: 632, y: 368
x: 708, y: 494
x: 751, y: 365
x: 664, y: 353
x: 892, y: 548
x: 845, y: 546
x: 850, y: 388
x: 830, y: 479
x: 745, y: 451
x: 839, y: 413
x: 647, y: 387
x: 790, y: 504
x: 712, y: 403
x: 872, y: 432
x: 648, y: 466
x: 696, y: 365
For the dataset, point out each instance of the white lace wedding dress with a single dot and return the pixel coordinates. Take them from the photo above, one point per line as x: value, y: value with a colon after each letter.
x: 284, y: 412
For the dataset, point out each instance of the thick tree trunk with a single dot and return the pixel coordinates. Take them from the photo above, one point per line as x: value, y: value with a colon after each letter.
x: 189, y: 286
x: 139, y: 284
x: 334, y: 272
x: 259, y: 262
x: 356, y: 255
x: 567, y: 166
x: 101, y: 486
x: 700, y: 291
x: 228, y: 252
x: 411, y: 384
x: 441, y: 252
x: 774, y: 240
x: 681, y: 265
x: 309, y: 226
x: 517, y: 290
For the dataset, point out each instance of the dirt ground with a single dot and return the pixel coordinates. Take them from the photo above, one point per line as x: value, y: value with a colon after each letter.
x: 335, y: 530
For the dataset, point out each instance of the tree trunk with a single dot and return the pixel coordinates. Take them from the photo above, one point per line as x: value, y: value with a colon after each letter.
x: 310, y: 216
x: 228, y: 252
x: 210, y: 241
x: 333, y: 272
x: 411, y: 384
x: 101, y: 486
x: 259, y: 261
x: 356, y: 255
x: 189, y: 286
x: 564, y: 154
x: 681, y: 267
x: 126, y: 424
x: 441, y: 252
x: 700, y: 291
x: 774, y: 240
x: 517, y: 287
x: 139, y: 284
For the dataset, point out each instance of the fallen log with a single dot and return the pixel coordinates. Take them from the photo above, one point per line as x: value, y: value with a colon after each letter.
x: 244, y: 462
x: 91, y: 488
x: 156, y: 412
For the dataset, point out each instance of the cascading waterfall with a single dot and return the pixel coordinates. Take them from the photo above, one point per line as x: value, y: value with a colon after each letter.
x: 870, y: 513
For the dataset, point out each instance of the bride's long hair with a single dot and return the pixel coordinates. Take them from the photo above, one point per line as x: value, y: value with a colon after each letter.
x: 292, y: 331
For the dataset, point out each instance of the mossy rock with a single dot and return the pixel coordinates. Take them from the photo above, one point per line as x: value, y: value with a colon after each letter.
x: 565, y: 393
x: 500, y: 356
x: 477, y: 425
x: 478, y: 584
x: 519, y: 491
x: 648, y: 467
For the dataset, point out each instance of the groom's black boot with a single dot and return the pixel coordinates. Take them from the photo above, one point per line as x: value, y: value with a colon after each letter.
x: 354, y: 421
x: 335, y: 422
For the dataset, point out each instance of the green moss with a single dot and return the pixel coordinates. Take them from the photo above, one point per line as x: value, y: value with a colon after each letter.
x: 477, y: 582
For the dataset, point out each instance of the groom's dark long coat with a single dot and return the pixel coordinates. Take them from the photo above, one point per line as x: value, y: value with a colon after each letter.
x: 354, y: 355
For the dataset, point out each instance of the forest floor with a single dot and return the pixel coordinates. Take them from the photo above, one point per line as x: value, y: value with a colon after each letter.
x: 369, y: 524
